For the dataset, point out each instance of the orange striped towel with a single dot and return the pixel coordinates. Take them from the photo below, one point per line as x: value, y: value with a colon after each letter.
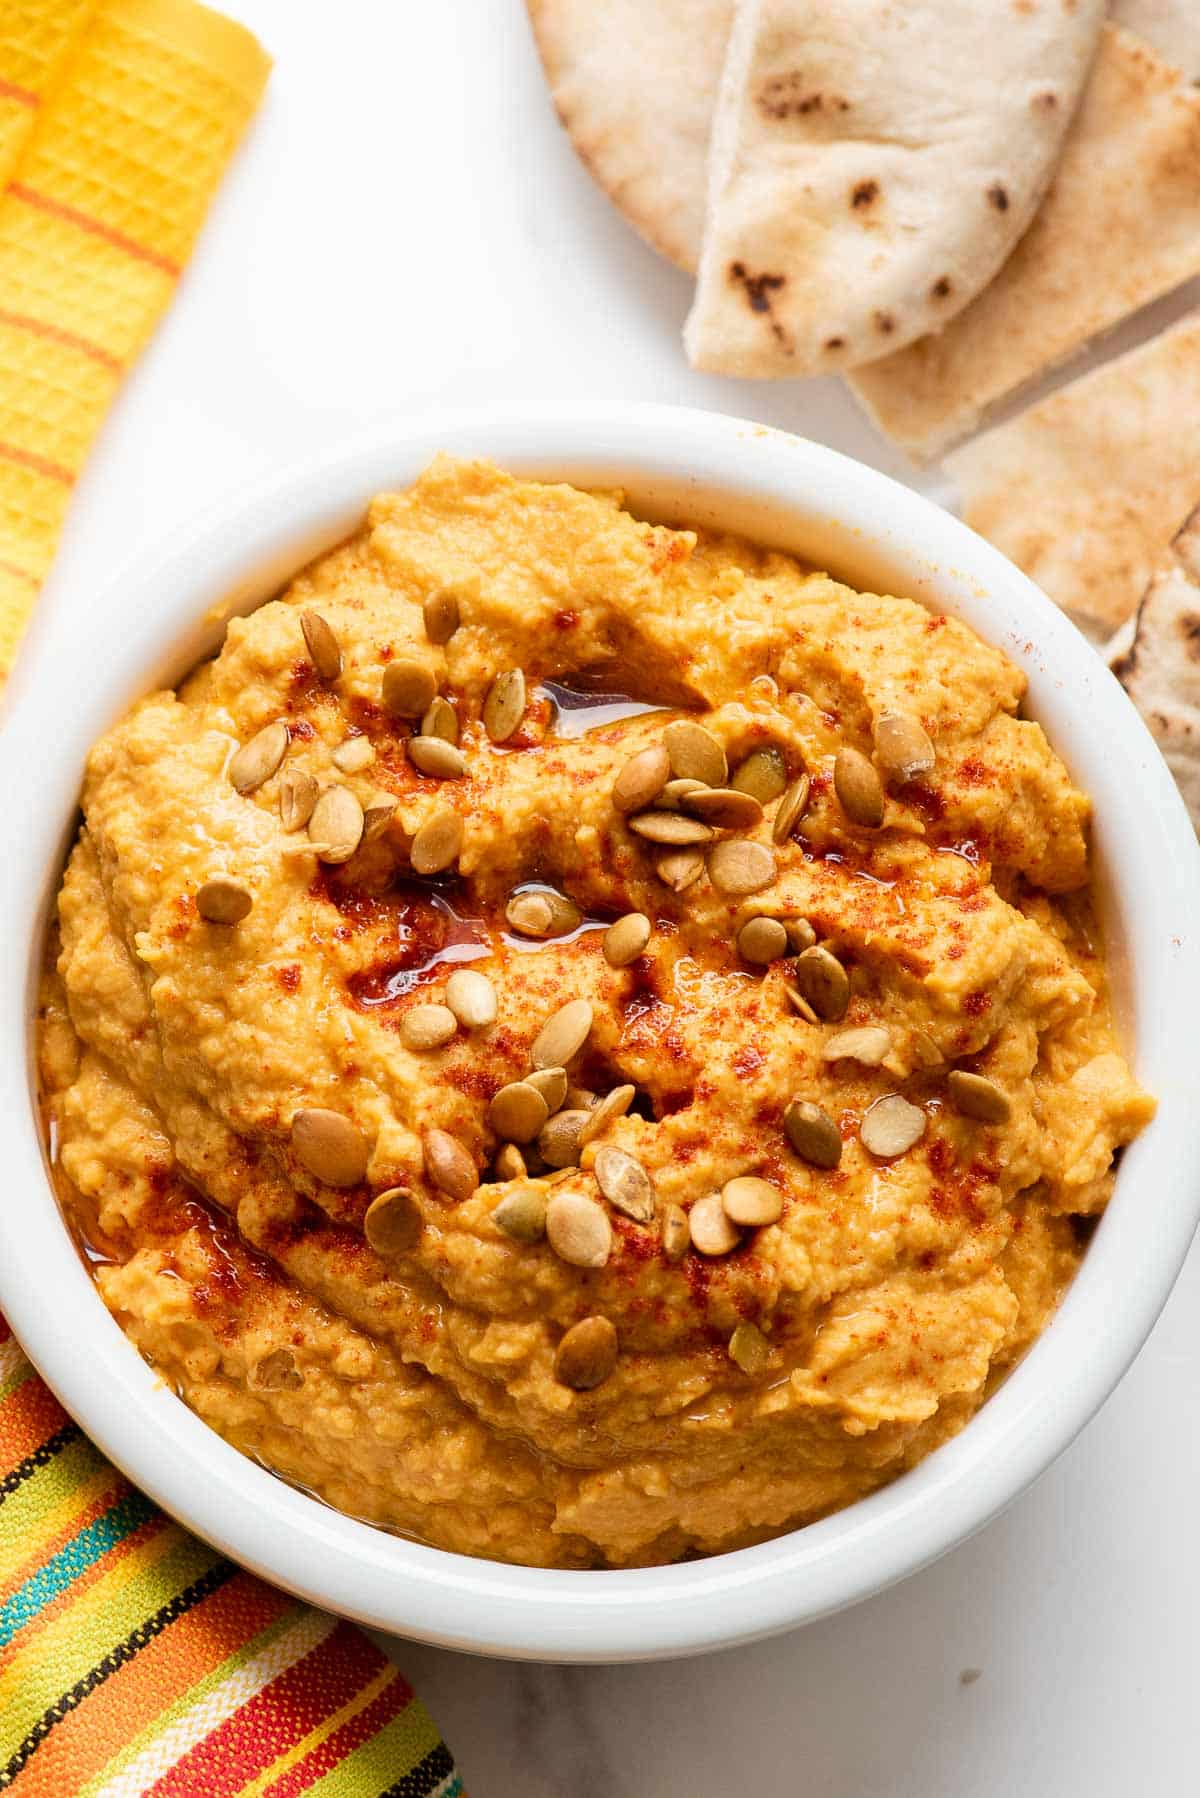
x: 137, y: 1663
x: 117, y: 120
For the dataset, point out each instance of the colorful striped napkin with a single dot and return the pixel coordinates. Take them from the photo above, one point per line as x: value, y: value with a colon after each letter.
x: 137, y: 1663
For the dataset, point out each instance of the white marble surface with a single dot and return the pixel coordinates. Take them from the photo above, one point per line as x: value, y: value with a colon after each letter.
x: 406, y: 228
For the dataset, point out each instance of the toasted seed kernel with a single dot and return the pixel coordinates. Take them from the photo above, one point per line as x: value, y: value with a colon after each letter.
x: 297, y: 796
x: 625, y: 940
x: 440, y: 720
x: 329, y: 1146
x: 812, y: 1133
x: 926, y: 1050
x: 867, y: 1043
x: 695, y: 753
x: 518, y: 1112
x: 551, y: 1083
x: 543, y: 913
x: 221, y: 900
x: 670, y: 828
x: 448, y: 1164
x: 558, y: 1141
x: 823, y: 981
x: 378, y: 813
x: 613, y: 1105
x: 676, y: 1234
x: 723, y: 806
x: 578, y: 1229
x: 750, y: 1201
x: 625, y: 1183
x: 472, y: 998
x: 763, y: 774
x: 437, y: 843
x: 522, y: 1214
x: 277, y: 1372
x: 586, y: 1355
x: 336, y: 825
x: 762, y: 940
x: 407, y: 688
x: 504, y: 707
x: 322, y: 644
x: 393, y: 1223
x: 436, y: 758
x: 800, y: 934
x: 352, y: 756
x: 858, y: 787
x: 427, y: 1026
x: 441, y: 614
x: 579, y: 1098
x: 562, y: 1036
x: 679, y: 868
x: 902, y: 746
x: 641, y: 779
x: 977, y: 1097
x: 791, y: 808
x: 258, y: 759
x: 737, y: 867
x: 800, y: 1004
x: 891, y: 1126
x: 749, y: 1349
x: 508, y: 1163
x: 675, y: 791
x: 712, y: 1232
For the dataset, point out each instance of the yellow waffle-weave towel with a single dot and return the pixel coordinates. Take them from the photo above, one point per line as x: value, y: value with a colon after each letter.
x: 117, y: 118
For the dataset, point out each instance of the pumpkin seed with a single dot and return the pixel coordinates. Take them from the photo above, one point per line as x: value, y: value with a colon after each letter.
x: 336, y: 825
x: 858, y: 787
x: 407, y: 688
x: 625, y: 940
x: 587, y: 1354
x: 977, y: 1097
x: 329, y: 1146
x: 352, y: 756
x: 902, y: 746
x: 725, y: 807
x: 441, y: 614
x: 543, y: 913
x: 508, y: 1163
x: 712, y: 1232
x: 297, y: 796
x: 436, y: 757
x: 823, y: 981
x: 679, y: 868
x: 695, y: 753
x: 674, y: 792
x: 763, y: 774
x: 613, y: 1105
x: 926, y: 1050
x: 518, y: 1112
x: 676, y: 1234
x: 504, y: 707
x: 579, y: 1098
x: 551, y: 1083
x: 258, y: 759
x: 750, y: 1201
x: 791, y: 808
x: 800, y: 934
x: 749, y: 1349
x: 563, y: 1035
x: 868, y: 1043
x: 670, y: 828
x: 891, y: 1126
x: 448, y: 1164
x: 393, y: 1223
x: 762, y: 940
x: 472, y: 998
x: 277, y: 1372
x: 378, y: 813
x: 437, y: 844
x: 558, y: 1140
x: 322, y: 644
x: 641, y: 779
x: 625, y: 1183
x: 738, y: 866
x: 578, y: 1229
x: 427, y: 1026
x: 812, y: 1133
x: 440, y: 720
x: 223, y: 901
x: 522, y: 1214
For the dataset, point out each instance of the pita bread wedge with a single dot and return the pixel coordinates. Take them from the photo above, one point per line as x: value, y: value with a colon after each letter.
x: 1085, y: 490
x: 635, y: 83
x: 1161, y: 671
x: 1172, y: 26
x: 871, y: 166
x: 1119, y: 227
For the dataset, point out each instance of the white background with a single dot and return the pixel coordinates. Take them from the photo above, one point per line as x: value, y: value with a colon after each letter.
x: 407, y: 227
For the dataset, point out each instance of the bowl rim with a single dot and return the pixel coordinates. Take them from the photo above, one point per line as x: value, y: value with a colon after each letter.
x: 699, y: 464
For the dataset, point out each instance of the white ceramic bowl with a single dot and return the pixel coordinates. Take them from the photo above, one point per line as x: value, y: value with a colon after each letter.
x: 158, y: 617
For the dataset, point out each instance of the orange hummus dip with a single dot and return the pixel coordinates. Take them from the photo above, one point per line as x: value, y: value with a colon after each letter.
x: 580, y: 1042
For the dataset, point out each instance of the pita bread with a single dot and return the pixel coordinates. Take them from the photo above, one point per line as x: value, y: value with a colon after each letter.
x: 635, y: 84
x: 871, y: 166
x: 1172, y: 26
x: 1119, y: 227
x: 1161, y: 672
x: 1085, y: 490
